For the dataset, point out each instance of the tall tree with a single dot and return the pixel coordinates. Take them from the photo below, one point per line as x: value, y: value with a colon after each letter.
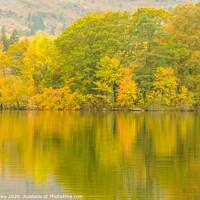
x: 13, y: 59
x: 165, y: 85
x: 144, y: 47
x: 4, y: 38
x: 41, y: 63
x: 128, y: 91
x: 35, y: 22
x: 108, y: 77
x: 84, y: 43
x: 14, y: 38
x: 184, y: 30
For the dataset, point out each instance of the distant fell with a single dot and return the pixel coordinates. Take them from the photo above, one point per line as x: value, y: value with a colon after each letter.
x: 53, y: 16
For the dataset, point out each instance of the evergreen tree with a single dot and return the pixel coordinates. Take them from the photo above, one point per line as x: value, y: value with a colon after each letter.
x: 39, y: 22
x: 35, y: 22
x: 14, y: 37
x: 4, y: 39
x: 28, y: 19
x: 144, y: 47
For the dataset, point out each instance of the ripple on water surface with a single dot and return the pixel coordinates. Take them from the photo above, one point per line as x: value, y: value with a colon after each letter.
x: 102, y: 155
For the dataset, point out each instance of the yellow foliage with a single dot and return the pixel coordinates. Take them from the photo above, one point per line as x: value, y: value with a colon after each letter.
x: 12, y: 92
x: 185, y: 99
x: 165, y: 87
x: 183, y: 27
x: 40, y: 61
x: 1, y: 48
x: 58, y: 99
x: 166, y: 94
x: 98, y: 101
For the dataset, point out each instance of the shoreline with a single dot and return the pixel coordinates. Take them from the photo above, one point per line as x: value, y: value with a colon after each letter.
x: 106, y: 110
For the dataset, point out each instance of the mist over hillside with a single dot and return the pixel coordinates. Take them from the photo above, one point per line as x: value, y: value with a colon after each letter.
x: 53, y: 16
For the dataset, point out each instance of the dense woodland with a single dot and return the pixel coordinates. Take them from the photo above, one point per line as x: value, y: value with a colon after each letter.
x: 149, y: 59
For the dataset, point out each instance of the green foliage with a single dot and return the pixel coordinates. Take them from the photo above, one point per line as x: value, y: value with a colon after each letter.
x: 184, y: 30
x: 14, y: 38
x: 12, y: 61
x: 41, y: 62
x: 145, y: 47
x: 85, y: 42
x: 165, y: 87
x: 105, y: 61
x: 35, y: 22
x: 4, y: 39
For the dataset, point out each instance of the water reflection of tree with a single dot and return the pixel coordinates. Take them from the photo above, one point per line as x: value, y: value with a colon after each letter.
x: 110, y: 155
x: 144, y: 144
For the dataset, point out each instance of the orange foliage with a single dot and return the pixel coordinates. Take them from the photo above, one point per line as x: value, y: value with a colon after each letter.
x: 128, y: 91
x: 58, y: 99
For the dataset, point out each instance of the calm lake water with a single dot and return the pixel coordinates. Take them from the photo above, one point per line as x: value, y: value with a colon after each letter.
x: 102, y: 155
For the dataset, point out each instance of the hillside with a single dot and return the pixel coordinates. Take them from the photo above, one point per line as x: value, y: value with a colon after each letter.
x: 52, y: 16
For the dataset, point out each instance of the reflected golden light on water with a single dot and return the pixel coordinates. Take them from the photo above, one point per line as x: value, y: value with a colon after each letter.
x: 109, y: 155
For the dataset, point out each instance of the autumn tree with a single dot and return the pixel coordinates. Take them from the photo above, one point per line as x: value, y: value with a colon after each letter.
x: 85, y: 42
x: 149, y: 59
x: 185, y: 99
x: 128, y: 91
x: 184, y: 45
x: 41, y: 62
x: 164, y: 92
x: 13, y: 59
x: 12, y: 92
x: 166, y: 84
x: 108, y: 77
x: 58, y: 99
